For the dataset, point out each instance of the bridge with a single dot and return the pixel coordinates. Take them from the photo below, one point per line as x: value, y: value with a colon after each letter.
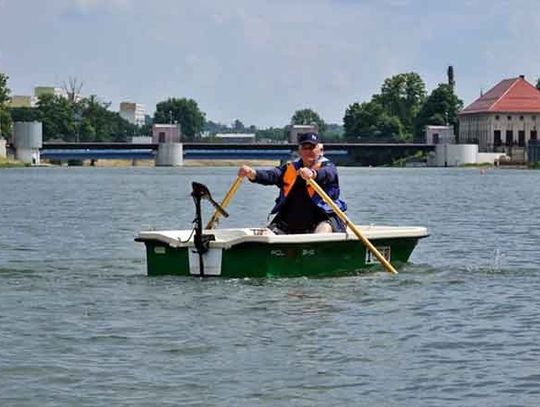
x: 340, y: 153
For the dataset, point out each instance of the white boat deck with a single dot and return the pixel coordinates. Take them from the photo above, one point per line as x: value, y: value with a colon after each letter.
x: 226, y: 238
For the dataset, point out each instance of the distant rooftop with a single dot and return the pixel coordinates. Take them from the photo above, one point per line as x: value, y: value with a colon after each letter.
x: 514, y: 95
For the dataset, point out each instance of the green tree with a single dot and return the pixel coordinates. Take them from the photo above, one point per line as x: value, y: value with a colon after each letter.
x: 87, y: 132
x: 238, y: 126
x: 99, y: 124
x: 403, y: 96
x: 5, y: 117
x: 309, y: 117
x: 25, y: 114
x: 370, y: 121
x: 84, y: 120
x: 538, y: 84
x: 271, y: 134
x: 334, y: 133
x: 389, y: 128
x: 4, y: 90
x: 440, y: 108
x: 57, y: 117
x: 184, y: 111
x: 390, y: 115
x: 360, y: 120
x: 214, y: 127
x: 144, y: 130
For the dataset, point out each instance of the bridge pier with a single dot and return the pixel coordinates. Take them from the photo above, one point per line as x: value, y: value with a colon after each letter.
x: 169, y: 155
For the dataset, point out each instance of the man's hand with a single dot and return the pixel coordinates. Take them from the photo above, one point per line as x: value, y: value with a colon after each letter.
x: 246, y: 171
x: 306, y: 173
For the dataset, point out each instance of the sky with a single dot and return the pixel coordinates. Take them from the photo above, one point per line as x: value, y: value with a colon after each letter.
x: 259, y: 61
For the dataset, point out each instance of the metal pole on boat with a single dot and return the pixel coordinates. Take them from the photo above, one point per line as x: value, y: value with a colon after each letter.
x: 201, y: 241
x: 199, y: 245
x: 353, y: 227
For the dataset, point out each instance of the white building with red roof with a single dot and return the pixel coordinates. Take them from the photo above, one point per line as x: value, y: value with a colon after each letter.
x: 504, y: 119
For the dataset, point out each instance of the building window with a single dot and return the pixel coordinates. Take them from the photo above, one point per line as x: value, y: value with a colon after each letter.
x: 162, y: 137
x: 509, y: 117
x: 520, y: 117
x: 533, y: 117
x: 509, y: 137
x: 521, y: 138
x: 497, y: 138
x: 534, y: 135
x: 496, y: 117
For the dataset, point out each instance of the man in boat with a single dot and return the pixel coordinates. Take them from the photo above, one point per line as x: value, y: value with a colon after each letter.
x: 299, y: 209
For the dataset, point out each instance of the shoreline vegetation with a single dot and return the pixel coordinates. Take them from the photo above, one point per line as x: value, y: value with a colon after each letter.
x: 8, y: 163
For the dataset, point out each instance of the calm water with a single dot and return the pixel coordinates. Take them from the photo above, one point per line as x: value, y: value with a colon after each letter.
x: 81, y: 324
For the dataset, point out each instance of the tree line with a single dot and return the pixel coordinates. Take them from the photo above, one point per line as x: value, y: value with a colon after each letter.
x: 398, y: 113
x: 401, y: 110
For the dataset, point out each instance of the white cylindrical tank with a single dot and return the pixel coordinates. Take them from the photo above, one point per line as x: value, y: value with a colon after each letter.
x: 169, y: 155
x: 454, y: 155
x: 28, y: 155
x: 27, y: 140
x: 28, y: 135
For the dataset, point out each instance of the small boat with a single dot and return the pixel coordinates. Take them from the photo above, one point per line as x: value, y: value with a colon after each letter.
x: 258, y: 252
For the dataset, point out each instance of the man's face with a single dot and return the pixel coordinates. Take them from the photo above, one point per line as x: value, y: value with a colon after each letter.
x: 309, y: 153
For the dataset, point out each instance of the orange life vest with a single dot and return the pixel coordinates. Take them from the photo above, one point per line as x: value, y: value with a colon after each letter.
x: 289, y: 178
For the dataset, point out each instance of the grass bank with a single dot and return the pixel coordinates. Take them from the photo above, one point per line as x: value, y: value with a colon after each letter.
x: 5, y: 163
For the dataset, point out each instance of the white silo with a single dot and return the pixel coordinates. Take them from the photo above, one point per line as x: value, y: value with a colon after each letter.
x: 455, y: 155
x: 27, y: 140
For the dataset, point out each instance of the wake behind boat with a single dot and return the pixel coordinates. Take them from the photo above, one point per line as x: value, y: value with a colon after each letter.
x: 259, y: 252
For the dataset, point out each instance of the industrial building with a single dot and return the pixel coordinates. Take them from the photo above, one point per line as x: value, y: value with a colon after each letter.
x: 504, y: 119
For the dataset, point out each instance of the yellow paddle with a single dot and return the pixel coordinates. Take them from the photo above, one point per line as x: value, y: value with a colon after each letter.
x: 213, y: 221
x: 347, y: 222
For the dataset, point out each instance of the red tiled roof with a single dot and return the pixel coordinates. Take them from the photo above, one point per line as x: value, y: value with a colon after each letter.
x: 514, y: 95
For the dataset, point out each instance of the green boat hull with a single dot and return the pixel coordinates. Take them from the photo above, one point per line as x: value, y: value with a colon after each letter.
x: 261, y: 260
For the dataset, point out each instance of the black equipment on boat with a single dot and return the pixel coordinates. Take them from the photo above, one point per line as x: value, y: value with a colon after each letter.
x: 202, y: 241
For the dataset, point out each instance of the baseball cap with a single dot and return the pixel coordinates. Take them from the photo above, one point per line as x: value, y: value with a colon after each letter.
x: 311, y: 138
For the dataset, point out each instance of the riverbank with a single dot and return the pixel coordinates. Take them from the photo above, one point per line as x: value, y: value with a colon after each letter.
x: 6, y: 163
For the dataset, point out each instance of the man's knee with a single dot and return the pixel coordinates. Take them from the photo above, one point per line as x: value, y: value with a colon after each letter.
x: 323, y: 227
